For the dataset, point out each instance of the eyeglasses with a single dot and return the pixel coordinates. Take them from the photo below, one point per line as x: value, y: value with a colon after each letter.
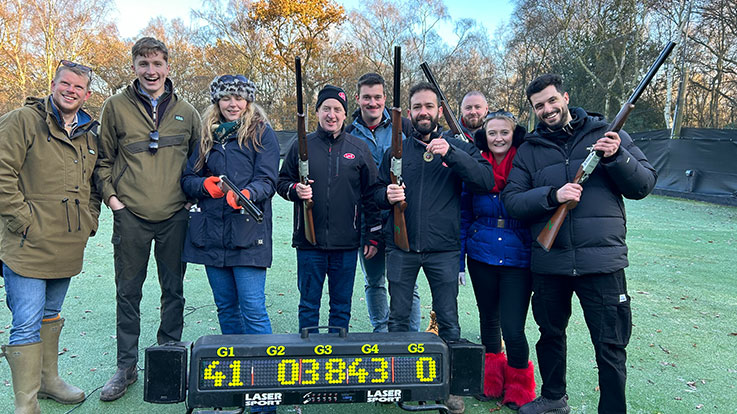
x: 153, y: 146
x: 70, y: 64
x: 231, y: 78
x: 500, y: 113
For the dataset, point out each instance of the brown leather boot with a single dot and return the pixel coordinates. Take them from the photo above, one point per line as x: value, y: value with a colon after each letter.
x: 52, y: 386
x: 25, y: 368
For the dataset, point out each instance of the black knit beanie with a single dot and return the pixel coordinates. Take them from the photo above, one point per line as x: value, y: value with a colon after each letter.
x: 332, y: 92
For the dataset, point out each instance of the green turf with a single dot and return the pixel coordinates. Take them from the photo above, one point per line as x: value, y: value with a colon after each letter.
x: 682, y: 279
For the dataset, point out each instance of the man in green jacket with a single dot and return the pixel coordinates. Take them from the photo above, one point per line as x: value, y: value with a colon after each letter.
x: 48, y: 210
x: 146, y: 135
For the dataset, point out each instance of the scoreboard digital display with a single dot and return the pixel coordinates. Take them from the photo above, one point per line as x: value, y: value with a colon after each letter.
x: 334, y: 371
x: 236, y: 370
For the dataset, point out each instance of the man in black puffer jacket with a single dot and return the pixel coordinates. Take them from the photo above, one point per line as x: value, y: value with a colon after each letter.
x: 590, y: 253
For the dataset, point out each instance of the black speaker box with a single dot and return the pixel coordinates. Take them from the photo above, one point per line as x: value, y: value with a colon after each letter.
x: 165, y: 373
x: 466, y: 368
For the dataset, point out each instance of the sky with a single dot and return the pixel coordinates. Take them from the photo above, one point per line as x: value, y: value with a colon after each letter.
x: 130, y: 19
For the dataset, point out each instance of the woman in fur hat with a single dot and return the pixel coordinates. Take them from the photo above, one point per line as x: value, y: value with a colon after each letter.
x: 236, y: 141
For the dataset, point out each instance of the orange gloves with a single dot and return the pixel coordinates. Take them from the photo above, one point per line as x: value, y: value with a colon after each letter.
x: 233, y: 200
x: 212, y: 187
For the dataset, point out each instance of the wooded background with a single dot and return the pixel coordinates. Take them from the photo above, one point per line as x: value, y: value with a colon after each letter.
x: 601, y: 47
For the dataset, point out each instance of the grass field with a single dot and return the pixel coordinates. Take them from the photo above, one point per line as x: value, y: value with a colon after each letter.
x: 682, y: 279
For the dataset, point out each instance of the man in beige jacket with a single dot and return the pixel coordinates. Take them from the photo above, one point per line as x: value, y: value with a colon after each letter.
x: 48, y: 210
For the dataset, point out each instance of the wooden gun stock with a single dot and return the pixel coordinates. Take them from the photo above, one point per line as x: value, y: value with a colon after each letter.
x: 550, y: 231
x: 400, y: 224
x: 304, y: 164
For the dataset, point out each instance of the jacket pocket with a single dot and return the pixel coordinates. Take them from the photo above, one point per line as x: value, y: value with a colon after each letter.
x: 197, y: 228
x: 244, y: 231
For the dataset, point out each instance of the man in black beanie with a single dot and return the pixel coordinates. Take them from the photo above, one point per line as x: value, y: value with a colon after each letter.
x: 342, y: 179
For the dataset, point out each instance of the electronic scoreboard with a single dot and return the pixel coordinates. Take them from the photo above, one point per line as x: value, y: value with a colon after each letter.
x: 293, y: 369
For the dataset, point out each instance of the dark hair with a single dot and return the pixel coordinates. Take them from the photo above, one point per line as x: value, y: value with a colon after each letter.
x: 147, y: 46
x: 423, y: 86
x: 543, y: 81
x: 370, y: 79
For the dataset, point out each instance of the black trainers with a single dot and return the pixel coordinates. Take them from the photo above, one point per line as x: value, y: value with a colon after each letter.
x: 542, y: 405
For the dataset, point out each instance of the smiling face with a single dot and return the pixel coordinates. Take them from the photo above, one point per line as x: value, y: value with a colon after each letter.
x: 499, y: 134
x: 151, y: 71
x: 473, y: 110
x: 371, y: 100
x: 551, y: 107
x: 330, y: 116
x: 232, y: 107
x: 69, y: 91
x: 424, y: 111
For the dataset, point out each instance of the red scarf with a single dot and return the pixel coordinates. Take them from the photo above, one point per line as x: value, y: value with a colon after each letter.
x: 501, y: 170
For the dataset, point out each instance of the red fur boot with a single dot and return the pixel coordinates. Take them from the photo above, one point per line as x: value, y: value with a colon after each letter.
x: 493, y: 376
x: 519, y: 386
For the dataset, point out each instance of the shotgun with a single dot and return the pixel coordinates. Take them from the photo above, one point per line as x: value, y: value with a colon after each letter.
x: 453, y: 124
x: 400, y: 225
x: 551, y: 229
x: 304, y: 164
x: 243, y: 201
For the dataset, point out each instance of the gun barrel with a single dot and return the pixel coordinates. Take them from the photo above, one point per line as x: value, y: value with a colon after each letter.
x: 397, y: 74
x: 298, y: 74
x: 651, y: 73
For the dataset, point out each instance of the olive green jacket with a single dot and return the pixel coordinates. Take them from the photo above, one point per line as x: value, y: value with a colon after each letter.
x: 48, y: 203
x: 148, y: 184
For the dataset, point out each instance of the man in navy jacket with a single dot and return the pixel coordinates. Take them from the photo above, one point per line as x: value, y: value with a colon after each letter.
x: 590, y: 253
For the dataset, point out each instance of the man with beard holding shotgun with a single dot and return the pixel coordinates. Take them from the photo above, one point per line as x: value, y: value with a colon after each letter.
x: 434, y: 169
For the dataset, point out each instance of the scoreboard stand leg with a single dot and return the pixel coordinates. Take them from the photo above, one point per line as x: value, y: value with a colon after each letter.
x: 442, y: 409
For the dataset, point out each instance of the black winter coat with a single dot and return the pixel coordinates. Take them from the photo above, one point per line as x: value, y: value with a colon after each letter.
x: 345, y: 178
x: 433, y: 192
x: 219, y: 235
x: 592, y: 238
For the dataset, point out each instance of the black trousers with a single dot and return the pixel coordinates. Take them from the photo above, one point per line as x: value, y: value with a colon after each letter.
x: 606, y: 309
x: 503, y: 298
x: 441, y: 270
x: 132, y: 237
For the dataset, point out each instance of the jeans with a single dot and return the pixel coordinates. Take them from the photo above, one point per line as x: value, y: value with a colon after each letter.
x: 340, y: 268
x: 240, y: 299
x: 441, y: 270
x: 374, y: 276
x: 30, y: 302
x: 606, y: 309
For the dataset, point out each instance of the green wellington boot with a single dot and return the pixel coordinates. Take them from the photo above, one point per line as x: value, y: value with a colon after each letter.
x: 51, y: 385
x: 25, y: 369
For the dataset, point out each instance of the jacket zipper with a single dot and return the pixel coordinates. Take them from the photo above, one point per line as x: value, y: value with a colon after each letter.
x: 330, y: 179
x: 66, y: 207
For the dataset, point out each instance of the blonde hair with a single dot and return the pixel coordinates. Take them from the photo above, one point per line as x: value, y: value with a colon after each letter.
x: 253, y: 123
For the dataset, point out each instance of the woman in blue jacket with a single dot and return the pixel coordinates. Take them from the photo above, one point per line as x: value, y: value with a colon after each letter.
x: 236, y: 141
x: 498, y: 251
